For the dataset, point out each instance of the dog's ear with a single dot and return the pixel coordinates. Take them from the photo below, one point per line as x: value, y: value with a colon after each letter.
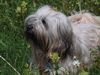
x: 65, y: 29
x: 66, y: 34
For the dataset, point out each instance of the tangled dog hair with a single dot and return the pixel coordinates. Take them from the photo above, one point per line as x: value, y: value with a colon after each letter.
x: 49, y: 31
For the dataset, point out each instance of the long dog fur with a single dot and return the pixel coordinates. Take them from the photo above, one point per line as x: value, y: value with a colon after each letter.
x: 51, y: 31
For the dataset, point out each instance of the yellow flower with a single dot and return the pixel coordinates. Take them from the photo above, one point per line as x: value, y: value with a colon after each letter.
x: 23, y: 4
x: 28, y: 46
x: 54, y: 57
x: 18, y: 10
x: 23, y: 7
x: 55, y: 8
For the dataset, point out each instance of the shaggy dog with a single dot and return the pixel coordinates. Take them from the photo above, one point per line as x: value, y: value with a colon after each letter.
x: 71, y: 37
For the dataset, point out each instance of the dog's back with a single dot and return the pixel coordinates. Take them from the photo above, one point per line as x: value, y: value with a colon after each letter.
x: 86, y: 29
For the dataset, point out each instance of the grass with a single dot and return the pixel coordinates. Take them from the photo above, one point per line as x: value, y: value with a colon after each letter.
x: 14, y: 49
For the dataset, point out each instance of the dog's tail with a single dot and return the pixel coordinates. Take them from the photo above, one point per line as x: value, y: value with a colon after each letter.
x: 85, y: 17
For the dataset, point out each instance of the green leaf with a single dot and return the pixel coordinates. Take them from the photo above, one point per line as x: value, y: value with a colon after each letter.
x: 84, y: 73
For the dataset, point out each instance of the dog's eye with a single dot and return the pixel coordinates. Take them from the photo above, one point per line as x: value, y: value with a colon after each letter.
x: 45, y: 24
x: 43, y: 21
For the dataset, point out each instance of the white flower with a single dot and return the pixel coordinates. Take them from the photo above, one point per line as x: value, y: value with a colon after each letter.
x: 76, y: 61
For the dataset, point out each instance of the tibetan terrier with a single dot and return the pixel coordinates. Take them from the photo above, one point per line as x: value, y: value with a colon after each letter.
x: 71, y: 37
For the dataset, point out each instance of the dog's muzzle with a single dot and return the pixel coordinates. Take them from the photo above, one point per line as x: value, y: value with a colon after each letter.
x: 29, y: 27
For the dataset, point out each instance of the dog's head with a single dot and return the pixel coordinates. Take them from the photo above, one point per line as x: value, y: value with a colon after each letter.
x: 49, y: 30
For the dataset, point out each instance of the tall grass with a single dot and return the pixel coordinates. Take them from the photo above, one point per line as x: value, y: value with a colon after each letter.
x: 13, y: 46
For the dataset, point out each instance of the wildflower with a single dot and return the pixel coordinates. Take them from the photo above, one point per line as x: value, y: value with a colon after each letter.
x: 28, y: 46
x: 55, y: 8
x: 18, y: 10
x: 54, y: 57
x: 22, y: 8
x: 23, y: 4
x: 76, y: 62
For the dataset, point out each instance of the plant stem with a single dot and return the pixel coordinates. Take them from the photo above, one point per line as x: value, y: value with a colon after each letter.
x: 9, y: 65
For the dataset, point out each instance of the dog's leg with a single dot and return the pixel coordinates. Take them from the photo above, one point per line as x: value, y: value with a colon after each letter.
x: 39, y: 56
x: 41, y: 61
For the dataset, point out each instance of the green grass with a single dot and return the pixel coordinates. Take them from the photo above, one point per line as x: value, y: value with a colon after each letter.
x: 13, y: 45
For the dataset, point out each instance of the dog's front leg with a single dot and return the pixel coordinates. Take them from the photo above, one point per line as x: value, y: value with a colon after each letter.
x: 41, y: 61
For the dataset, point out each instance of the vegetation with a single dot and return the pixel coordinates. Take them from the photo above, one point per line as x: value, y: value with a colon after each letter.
x: 14, y: 50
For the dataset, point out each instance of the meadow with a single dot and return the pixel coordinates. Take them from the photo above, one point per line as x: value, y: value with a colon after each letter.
x: 15, y: 52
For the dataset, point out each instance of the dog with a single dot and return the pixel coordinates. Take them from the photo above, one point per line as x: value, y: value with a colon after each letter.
x: 71, y: 37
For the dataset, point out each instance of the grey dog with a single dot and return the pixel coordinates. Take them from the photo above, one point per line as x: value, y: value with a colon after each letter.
x: 71, y: 37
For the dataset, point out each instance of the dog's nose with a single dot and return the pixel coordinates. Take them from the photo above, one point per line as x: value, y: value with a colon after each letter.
x: 29, y: 27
